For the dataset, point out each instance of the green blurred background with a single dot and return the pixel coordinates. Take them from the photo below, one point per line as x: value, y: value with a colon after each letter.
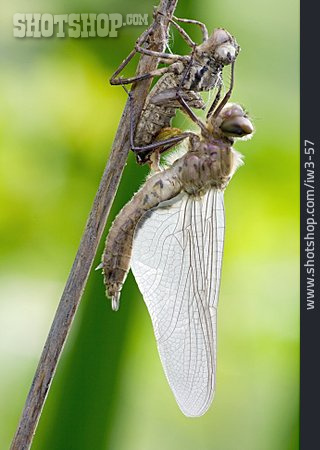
x: 58, y: 119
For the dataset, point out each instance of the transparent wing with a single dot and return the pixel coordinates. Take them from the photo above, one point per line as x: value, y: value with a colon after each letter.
x: 176, y: 260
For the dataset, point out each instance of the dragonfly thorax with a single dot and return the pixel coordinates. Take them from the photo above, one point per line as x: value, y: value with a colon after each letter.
x: 207, y: 165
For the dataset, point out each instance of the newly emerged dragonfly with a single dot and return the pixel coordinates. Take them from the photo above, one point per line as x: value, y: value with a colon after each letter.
x: 179, y: 84
x: 171, y: 234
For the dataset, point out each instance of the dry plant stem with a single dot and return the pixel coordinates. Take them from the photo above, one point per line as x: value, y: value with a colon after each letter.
x: 89, y: 243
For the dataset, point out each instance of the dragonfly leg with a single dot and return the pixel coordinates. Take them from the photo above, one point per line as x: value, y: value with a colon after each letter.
x: 190, y: 113
x: 164, y: 57
x: 143, y: 153
x: 225, y: 99
x: 144, y: 76
x: 115, y: 80
x: 184, y: 34
x: 140, y: 41
x: 215, y: 101
x: 202, y: 26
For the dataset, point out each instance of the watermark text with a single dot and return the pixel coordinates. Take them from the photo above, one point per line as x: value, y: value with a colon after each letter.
x: 310, y: 225
x: 73, y: 25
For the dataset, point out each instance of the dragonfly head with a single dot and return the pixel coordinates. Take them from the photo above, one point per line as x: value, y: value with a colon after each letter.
x: 221, y: 46
x: 231, y: 123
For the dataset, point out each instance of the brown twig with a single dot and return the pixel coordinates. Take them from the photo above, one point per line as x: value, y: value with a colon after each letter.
x: 89, y: 243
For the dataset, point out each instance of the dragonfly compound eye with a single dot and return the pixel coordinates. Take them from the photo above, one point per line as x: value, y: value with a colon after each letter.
x: 220, y: 36
x: 226, y: 53
x: 221, y: 45
x: 237, y: 126
x: 225, y: 46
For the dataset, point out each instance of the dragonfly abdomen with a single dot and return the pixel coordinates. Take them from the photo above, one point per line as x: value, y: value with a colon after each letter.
x: 117, y: 255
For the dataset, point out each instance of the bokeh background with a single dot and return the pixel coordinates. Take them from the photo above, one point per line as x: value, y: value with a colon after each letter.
x: 58, y: 119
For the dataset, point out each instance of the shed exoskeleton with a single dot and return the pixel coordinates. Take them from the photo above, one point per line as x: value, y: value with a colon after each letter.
x: 180, y: 84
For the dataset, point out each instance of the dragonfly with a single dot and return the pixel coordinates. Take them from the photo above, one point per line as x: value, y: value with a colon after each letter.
x: 180, y: 83
x: 171, y: 234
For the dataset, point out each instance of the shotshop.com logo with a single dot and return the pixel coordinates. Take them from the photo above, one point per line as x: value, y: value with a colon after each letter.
x: 73, y: 25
